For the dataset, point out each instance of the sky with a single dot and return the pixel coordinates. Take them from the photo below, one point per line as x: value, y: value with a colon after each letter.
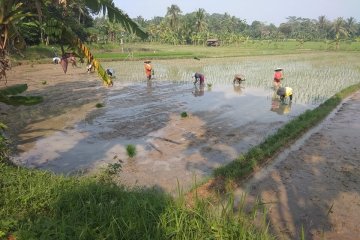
x: 275, y: 11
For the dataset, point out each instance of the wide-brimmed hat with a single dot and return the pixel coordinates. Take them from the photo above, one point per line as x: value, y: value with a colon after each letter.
x: 147, y: 61
x: 278, y: 69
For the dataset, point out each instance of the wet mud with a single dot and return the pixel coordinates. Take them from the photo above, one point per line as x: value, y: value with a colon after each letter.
x: 68, y: 134
x: 314, y: 186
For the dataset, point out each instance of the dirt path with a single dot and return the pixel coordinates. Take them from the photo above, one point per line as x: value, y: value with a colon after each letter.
x: 315, y: 185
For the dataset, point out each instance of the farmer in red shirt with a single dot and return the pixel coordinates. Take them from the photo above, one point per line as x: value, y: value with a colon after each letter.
x: 278, y: 76
x: 148, y: 69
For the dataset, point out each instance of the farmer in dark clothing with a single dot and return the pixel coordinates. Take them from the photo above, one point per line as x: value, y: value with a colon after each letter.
x: 110, y: 72
x: 199, y: 77
x: 238, y: 78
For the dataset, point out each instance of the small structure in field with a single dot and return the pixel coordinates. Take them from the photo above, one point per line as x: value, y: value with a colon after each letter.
x: 212, y: 42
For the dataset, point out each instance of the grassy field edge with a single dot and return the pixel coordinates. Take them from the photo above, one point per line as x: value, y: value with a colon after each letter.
x: 246, y: 164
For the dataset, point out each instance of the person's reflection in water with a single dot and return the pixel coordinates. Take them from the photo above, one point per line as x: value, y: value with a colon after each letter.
x: 238, y: 88
x: 280, y: 107
x: 149, y: 87
x: 198, y: 91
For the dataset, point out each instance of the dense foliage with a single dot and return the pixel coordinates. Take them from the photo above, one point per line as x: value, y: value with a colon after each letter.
x: 196, y: 27
x: 81, y: 16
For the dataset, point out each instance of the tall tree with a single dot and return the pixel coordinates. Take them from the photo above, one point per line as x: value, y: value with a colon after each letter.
x: 57, y: 25
x: 322, y: 26
x: 173, y: 14
x: 339, y: 30
x: 200, y: 20
x: 350, y: 26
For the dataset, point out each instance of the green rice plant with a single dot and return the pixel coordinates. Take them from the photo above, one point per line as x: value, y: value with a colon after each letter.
x: 131, y: 150
x: 302, y: 233
x: 184, y: 114
x: 44, y: 82
x: 99, y: 105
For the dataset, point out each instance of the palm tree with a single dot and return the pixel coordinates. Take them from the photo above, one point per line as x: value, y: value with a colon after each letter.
x: 11, y: 14
x: 200, y: 20
x: 115, y: 14
x: 80, y: 8
x: 322, y: 24
x: 350, y: 26
x: 339, y: 31
x: 172, y: 14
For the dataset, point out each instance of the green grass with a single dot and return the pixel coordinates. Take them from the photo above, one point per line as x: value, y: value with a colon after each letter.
x: 131, y: 150
x: 184, y: 114
x: 99, y: 105
x: 245, y: 164
x: 39, y: 205
x: 140, y: 51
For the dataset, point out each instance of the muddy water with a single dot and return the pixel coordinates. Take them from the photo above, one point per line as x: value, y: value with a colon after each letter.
x: 67, y: 133
x: 223, y: 122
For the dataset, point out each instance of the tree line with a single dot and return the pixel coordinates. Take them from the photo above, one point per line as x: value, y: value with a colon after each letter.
x: 197, y: 27
x: 82, y: 17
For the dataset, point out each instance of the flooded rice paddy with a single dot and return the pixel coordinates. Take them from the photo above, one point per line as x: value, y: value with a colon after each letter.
x: 224, y: 120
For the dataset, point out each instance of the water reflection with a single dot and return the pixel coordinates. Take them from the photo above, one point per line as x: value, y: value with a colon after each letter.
x: 149, y: 87
x: 198, y: 91
x: 238, y: 88
x: 281, y: 108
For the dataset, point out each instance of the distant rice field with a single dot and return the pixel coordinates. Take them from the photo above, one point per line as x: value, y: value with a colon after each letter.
x: 314, y: 77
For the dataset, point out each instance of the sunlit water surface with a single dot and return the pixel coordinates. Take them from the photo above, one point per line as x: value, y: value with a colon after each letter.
x: 233, y: 117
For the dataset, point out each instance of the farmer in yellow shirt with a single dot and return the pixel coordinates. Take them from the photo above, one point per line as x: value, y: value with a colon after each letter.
x: 284, y: 92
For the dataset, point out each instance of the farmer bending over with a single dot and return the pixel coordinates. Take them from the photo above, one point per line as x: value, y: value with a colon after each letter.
x: 238, y: 78
x: 199, y: 77
x: 284, y: 92
x: 110, y: 72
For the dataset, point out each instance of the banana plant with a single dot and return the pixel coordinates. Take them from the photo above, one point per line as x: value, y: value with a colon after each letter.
x: 9, y: 96
x: 64, y: 33
x: 10, y: 14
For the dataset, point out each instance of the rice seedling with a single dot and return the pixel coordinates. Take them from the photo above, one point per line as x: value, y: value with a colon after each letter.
x: 184, y: 114
x: 313, y: 77
x: 131, y: 150
x: 99, y: 105
x: 44, y: 82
